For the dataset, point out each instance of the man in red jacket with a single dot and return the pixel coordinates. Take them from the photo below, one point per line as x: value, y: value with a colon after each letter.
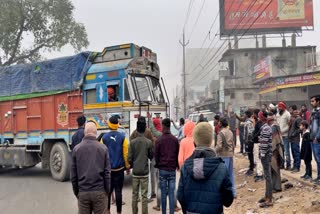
x: 166, y: 158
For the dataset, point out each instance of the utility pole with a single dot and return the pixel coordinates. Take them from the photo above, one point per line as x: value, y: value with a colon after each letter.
x: 184, y: 44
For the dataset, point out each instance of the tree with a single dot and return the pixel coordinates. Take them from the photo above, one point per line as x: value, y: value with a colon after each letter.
x: 47, y: 24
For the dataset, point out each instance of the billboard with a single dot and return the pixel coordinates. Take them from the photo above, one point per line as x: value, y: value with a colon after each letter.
x: 237, y: 16
x: 292, y: 81
x: 263, y: 70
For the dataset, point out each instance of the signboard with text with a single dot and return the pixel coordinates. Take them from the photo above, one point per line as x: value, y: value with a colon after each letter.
x: 263, y: 70
x: 264, y: 16
x: 292, y: 81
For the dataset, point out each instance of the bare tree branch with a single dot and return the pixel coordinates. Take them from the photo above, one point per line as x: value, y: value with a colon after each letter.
x: 29, y: 54
x: 18, y: 39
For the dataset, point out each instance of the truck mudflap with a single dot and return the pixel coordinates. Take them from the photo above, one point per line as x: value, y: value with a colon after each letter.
x: 18, y: 157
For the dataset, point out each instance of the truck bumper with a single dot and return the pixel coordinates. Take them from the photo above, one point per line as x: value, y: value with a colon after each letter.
x: 18, y: 157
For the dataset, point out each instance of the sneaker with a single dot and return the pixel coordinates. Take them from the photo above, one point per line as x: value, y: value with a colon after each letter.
x: 150, y: 200
x: 153, y: 195
x: 157, y: 208
x: 258, y: 178
x: 177, y: 209
x: 307, y: 178
x: 249, y: 172
x: 266, y: 204
x: 303, y: 176
x: 295, y: 170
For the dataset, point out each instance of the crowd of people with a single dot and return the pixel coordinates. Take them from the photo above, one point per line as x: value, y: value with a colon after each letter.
x: 203, y: 154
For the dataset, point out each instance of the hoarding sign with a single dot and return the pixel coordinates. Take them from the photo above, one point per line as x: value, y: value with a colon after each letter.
x: 263, y: 70
x: 237, y: 16
x: 290, y: 82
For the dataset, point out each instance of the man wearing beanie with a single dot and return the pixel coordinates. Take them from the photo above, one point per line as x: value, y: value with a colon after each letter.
x: 283, y: 119
x: 166, y: 158
x: 204, y: 185
x: 90, y: 172
x: 140, y: 152
x: 117, y: 145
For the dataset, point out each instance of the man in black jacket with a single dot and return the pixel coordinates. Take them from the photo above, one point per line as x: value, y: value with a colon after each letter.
x: 77, y: 137
x: 91, y: 173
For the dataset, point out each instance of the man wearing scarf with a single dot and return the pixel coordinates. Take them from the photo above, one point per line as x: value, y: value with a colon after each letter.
x: 277, y: 153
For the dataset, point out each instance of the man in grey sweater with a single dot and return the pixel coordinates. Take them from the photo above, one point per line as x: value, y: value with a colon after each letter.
x: 91, y: 173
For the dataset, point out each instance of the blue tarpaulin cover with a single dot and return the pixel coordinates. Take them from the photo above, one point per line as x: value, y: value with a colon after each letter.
x: 61, y: 74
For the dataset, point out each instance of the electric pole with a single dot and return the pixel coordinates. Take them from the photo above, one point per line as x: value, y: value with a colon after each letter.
x: 184, y: 44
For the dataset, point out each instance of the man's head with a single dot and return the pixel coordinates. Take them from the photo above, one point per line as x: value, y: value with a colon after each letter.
x: 90, y: 129
x: 281, y: 106
x: 224, y: 122
x: 216, y: 118
x: 203, y: 134
x: 263, y: 107
x: 141, y: 124
x: 181, y: 121
x: 262, y: 116
x: 113, y: 123
x: 247, y: 114
x: 303, y: 108
x: 81, y: 120
x: 315, y: 101
x: 111, y: 93
x: 166, y: 124
x: 232, y: 114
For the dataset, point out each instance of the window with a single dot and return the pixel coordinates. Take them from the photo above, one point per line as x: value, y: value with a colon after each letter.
x: 91, y: 96
x: 156, y: 89
x: 126, y: 94
x: 142, y: 89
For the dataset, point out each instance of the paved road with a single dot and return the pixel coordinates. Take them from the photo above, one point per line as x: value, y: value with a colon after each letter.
x: 34, y: 191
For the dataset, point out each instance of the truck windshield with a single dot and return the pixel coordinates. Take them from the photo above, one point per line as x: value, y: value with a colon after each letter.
x: 142, y: 88
x: 156, y: 89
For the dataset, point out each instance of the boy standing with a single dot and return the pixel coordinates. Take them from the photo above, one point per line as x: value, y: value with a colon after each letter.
x: 306, y: 149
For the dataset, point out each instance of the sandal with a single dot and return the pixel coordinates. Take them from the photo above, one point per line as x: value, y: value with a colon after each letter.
x: 156, y: 208
x: 262, y: 200
x: 265, y: 204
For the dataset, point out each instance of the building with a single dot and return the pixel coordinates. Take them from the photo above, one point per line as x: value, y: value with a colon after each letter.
x: 248, y: 72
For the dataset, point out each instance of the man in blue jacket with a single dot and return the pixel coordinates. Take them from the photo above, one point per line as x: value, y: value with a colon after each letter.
x: 204, y: 185
x: 117, y: 145
x: 77, y: 137
x: 315, y: 133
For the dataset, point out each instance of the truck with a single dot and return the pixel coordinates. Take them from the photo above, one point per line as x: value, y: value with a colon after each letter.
x: 40, y: 102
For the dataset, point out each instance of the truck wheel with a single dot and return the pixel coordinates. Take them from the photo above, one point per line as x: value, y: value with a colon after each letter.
x: 60, y: 162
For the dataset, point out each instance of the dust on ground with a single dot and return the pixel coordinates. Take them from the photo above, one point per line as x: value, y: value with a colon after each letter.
x: 301, y: 198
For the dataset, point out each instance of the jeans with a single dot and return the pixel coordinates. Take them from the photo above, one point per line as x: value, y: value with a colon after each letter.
x: 234, y: 132
x: 117, y: 178
x: 95, y: 201
x: 316, y: 154
x: 295, y: 149
x: 152, y: 178
x: 228, y: 161
x: 287, y: 151
x: 167, y: 186
x: 266, y: 164
x: 138, y: 182
x: 249, y: 150
x: 241, y: 136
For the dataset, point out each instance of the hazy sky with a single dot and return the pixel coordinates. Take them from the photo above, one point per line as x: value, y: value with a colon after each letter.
x: 157, y: 24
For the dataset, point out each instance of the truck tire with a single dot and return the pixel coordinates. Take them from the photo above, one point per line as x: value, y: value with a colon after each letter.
x: 60, y: 162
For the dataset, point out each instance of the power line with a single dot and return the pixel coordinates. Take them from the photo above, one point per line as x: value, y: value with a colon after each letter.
x: 194, y: 25
x: 209, y: 70
x: 188, y: 13
x: 208, y: 35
